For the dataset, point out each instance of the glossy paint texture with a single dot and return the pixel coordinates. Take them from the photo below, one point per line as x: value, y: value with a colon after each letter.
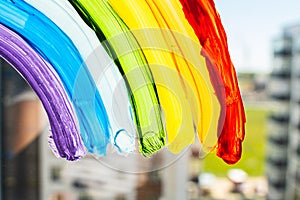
x: 205, y: 20
x: 158, y: 71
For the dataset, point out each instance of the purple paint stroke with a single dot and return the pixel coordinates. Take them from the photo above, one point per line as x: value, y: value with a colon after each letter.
x: 65, y: 140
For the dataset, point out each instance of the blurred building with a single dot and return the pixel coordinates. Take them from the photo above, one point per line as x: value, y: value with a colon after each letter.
x: 29, y: 170
x: 87, y: 179
x: 20, y: 124
x: 283, y: 155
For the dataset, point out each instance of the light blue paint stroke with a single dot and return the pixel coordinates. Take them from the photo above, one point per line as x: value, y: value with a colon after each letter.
x: 108, y: 79
x: 47, y: 39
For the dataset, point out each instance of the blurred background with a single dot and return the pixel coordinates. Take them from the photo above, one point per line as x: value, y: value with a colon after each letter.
x: 264, y: 42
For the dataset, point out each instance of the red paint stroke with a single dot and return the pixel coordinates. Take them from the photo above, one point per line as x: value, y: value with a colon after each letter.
x: 205, y: 20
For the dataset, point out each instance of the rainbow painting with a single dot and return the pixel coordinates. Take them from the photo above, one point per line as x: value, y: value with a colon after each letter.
x: 115, y: 72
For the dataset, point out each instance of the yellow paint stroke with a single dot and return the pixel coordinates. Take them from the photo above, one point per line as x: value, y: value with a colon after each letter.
x: 192, y: 92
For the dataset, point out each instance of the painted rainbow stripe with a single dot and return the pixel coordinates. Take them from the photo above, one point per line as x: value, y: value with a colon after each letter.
x: 105, y: 70
x: 50, y: 90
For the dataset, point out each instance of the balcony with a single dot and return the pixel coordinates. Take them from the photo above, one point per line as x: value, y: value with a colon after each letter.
x: 281, y: 67
x: 295, y: 90
x: 282, y: 47
x: 275, y: 175
x: 279, y: 88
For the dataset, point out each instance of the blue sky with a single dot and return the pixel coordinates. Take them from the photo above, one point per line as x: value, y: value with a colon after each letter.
x: 251, y: 26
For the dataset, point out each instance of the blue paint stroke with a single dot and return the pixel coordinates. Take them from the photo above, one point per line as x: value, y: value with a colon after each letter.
x: 56, y: 48
x: 108, y: 78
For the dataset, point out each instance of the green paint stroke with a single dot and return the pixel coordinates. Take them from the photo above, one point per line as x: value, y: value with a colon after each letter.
x: 122, y: 47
